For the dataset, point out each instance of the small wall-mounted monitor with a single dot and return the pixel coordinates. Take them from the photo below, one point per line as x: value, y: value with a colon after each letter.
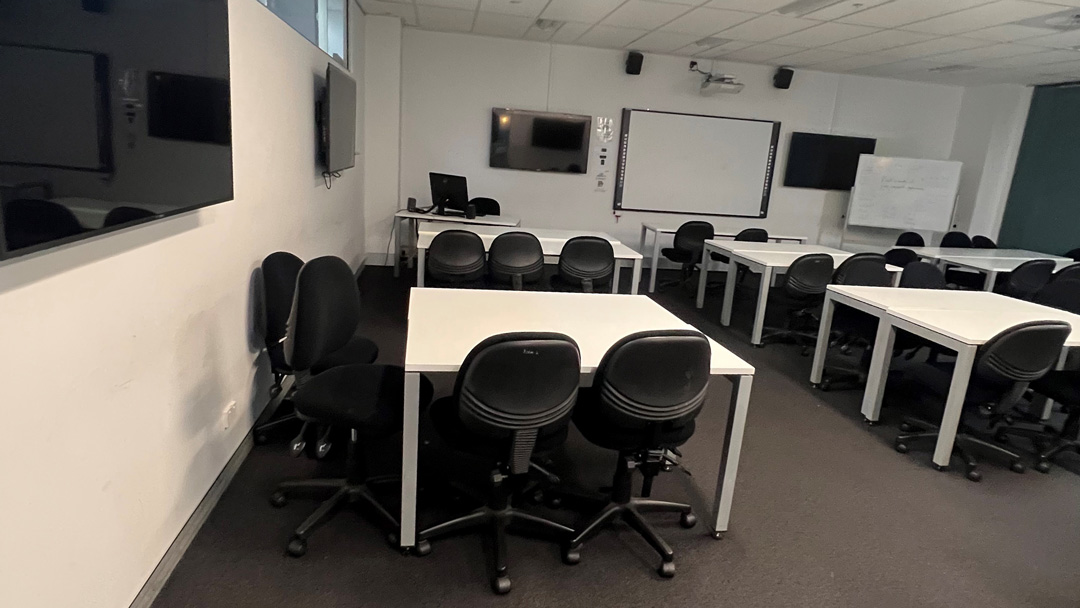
x: 825, y: 162
x: 540, y: 141
x: 338, y: 120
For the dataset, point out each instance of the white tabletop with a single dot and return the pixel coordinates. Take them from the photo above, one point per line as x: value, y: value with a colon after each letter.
x: 743, y: 246
x: 960, y: 252
x: 672, y: 229
x: 552, y: 240
x: 445, y: 324
x: 999, y: 264
x: 482, y: 220
x: 946, y: 299
x: 970, y: 328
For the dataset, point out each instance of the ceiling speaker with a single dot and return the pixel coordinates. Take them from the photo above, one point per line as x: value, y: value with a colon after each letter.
x: 782, y: 78
x: 634, y: 60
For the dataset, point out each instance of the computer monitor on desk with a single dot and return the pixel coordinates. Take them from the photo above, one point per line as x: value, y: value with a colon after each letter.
x: 449, y: 192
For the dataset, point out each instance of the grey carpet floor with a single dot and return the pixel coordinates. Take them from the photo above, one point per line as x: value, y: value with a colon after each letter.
x: 826, y: 514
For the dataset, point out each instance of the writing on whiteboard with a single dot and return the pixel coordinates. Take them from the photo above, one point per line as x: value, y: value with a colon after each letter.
x: 904, y: 193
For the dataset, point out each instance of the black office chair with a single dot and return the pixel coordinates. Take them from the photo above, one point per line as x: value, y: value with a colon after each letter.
x: 686, y: 249
x: 910, y: 239
x: 456, y: 258
x: 647, y: 392
x: 586, y: 263
x: 855, y: 328
x: 1063, y: 295
x: 516, y: 259
x: 485, y: 206
x: 280, y: 271
x: 1004, y: 367
x: 1064, y: 388
x: 1074, y: 254
x: 983, y: 242
x: 122, y: 215
x: 747, y: 235
x: 900, y: 257
x: 1069, y: 273
x: 955, y: 239
x: 865, y: 269
x: 364, y: 398
x: 29, y: 222
x: 513, y: 398
x: 922, y: 275
x: 800, y: 300
x: 1027, y: 279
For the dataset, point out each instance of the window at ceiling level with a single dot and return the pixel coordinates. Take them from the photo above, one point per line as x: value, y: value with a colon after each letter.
x: 324, y: 22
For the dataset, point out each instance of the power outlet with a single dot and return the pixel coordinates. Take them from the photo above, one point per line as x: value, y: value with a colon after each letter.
x: 229, y: 415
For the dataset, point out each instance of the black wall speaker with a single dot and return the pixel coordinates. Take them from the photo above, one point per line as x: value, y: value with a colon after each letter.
x: 470, y: 211
x: 782, y: 78
x: 411, y: 204
x: 634, y: 60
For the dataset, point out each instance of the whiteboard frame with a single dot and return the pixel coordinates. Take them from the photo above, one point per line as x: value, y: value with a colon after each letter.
x: 624, y: 143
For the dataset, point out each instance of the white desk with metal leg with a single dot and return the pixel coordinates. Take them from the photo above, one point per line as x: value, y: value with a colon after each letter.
x: 445, y: 324
x: 413, y: 218
x: 725, y: 248
x: 656, y: 230
x: 991, y: 267
x: 551, y: 239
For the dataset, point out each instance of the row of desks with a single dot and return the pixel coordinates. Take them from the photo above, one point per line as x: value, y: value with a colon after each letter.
x: 989, y: 262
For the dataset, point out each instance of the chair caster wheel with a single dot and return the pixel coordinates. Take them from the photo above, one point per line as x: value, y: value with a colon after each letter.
x: 278, y: 499
x: 297, y: 547
x: 716, y: 535
x: 501, y: 585
x: 974, y: 476
x: 422, y: 548
x: 1042, y: 466
x: 666, y: 569
x: 261, y: 439
x: 572, y: 557
x: 554, y: 502
x: 903, y: 448
x: 906, y: 428
x: 1017, y: 467
x: 688, y: 520
x: 824, y: 387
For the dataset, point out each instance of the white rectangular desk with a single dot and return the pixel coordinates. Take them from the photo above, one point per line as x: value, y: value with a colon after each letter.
x: 958, y: 320
x: 552, y: 240
x: 656, y: 231
x: 413, y: 218
x: 445, y: 324
x: 990, y: 267
x: 933, y: 253
x: 727, y: 247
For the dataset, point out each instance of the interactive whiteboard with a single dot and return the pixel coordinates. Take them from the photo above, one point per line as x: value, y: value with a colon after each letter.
x: 904, y: 193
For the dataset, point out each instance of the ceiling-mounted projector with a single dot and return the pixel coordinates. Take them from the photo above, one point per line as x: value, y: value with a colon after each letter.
x: 716, y: 83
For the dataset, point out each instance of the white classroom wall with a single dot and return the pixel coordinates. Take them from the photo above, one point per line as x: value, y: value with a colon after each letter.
x: 122, y: 352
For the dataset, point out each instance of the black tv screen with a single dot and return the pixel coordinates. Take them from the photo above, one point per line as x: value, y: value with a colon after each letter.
x: 339, y: 120
x: 111, y: 114
x: 825, y: 162
x: 539, y: 141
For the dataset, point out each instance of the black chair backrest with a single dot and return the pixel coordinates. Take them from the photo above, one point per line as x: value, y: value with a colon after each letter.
x: 866, y: 269
x: 955, y: 239
x: 1028, y: 278
x: 588, y: 261
x: 809, y: 275
x: 983, y: 242
x: 516, y: 258
x: 691, y: 237
x: 325, y: 311
x: 485, y: 206
x: 900, y: 257
x: 923, y: 275
x: 512, y: 385
x: 122, y: 215
x: 1061, y: 294
x: 1069, y: 273
x: 753, y: 235
x: 910, y: 239
x: 279, y: 272
x: 653, y: 378
x: 1074, y: 254
x: 1022, y: 353
x: 29, y: 222
x: 456, y: 255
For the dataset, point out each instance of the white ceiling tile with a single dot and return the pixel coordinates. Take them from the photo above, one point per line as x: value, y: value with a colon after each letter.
x: 1068, y: 67
x: 899, y: 68
x: 1064, y: 40
x: 810, y: 57
x: 885, y: 39
x: 1007, y: 33
x: 997, y: 51
x: 582, y: 11
x: 852, y: 62
x: 569, y: 32
x: 902, y: 12
x: 724, y: 49
x: 842, y: 8
x: 988, y: 15
x: 494, y: 24
x: 761, y: 52
x: 663, y: 42
x: 1034, y: 60
x: 754, y: 6
x: 610, y: 37
x: 707, y: 21
x: 445, y: 19
x: 933, y: 47
x: 464, y: 5
x: 376, y: 7
x: 522, y: 8
x: 766, y: 27
x: 826, y: 33
x: 644, y: 15
x: 539, y: 35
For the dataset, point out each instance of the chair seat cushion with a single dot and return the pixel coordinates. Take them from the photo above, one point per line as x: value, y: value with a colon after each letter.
x: 678, y: 255
x: 444, y: 416
x: 364, y: 397
x: 1063, y: 387
x: 600, y: 431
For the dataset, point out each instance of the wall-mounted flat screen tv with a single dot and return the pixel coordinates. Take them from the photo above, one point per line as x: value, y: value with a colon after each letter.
x: 112, y: 114
x: 540, y: 141
x: 825, y: 162
x: 338, y: 120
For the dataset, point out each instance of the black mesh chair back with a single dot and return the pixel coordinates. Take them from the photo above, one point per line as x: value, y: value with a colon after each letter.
x: 587, y: 262
x: 1028, y: 278
x: 485, y: 206
x: 809, y: 275
x: 1061, y: 294
x: 456, y: 256
x: 29, y: 222
x: 983, y: 242
x: 1022, y: 353
x: 511, y: 386
x: 325, y: 312
x: 753, y: 235
x: 923, y: 275
x: 279, y: 272
x: 516, y: 258
x: 901, y: 257
x: 955, y: 239
x: 866, y: 269
x: 123, y: 215
x: 1069, y: 273
x: 690, y: 238
x: 910, y: 239
x: 1074, y: 254
x: 652, y: 379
